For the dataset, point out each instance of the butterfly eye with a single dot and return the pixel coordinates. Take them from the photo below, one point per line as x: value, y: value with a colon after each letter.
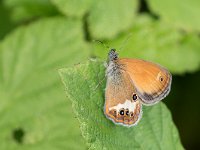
x: 134, y: 97
x: 121, y: 112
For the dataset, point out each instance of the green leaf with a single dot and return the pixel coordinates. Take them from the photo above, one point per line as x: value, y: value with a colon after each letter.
x: 23, y: 10
x: 181, y: 13
x: 6, y: 25
x: 34, y: 111
x: 158, y: 42
x: 70, y: 7
x: 156, y: 129
x: 105, y: 18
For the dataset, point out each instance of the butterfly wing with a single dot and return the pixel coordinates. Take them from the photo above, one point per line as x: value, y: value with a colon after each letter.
x: 119, y: 105
x: 152, y: 82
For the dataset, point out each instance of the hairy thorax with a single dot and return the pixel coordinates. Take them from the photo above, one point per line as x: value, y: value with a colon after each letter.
x: 113, y: 72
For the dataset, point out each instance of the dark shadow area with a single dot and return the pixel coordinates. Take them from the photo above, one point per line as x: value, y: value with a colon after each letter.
x: 6, y: 25
x: 86, y: 28
x: 144, y: 8
x: 184, y: 102
x: 18, y: 135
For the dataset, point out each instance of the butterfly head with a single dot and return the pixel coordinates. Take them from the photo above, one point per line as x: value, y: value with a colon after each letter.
x: 112, y: 55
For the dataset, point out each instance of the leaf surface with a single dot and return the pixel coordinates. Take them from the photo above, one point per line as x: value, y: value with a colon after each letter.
x: 180, y: 13
x: 156, y: 129
x: 34, y: 111
x: 25, y: 10
x: 105, y: 18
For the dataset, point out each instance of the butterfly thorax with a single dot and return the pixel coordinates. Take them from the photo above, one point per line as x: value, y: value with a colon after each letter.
x: 114, y: 69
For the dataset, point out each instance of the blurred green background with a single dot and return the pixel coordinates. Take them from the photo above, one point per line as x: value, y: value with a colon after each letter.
x: 37, y: 37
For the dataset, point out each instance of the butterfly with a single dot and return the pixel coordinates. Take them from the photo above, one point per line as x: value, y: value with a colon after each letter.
x: 130, y: 84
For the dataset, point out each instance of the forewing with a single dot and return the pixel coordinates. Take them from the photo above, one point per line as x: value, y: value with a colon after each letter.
x: 152, y: 82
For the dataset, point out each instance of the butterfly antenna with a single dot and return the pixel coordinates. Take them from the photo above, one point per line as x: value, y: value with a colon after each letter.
x: 125, y: 42
x: 106, y: 46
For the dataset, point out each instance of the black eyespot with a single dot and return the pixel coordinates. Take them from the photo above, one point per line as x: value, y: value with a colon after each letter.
x: 161, y: 78
x: 131, y: 114
x: 127, y: 112
x: 134, y: 97
x: 121, y: 112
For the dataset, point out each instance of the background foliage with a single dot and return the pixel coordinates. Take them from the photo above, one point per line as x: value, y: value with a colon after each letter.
x: 38, y: 37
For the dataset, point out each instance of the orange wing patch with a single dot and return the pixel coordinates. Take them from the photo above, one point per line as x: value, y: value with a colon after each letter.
x: 152, y: 82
